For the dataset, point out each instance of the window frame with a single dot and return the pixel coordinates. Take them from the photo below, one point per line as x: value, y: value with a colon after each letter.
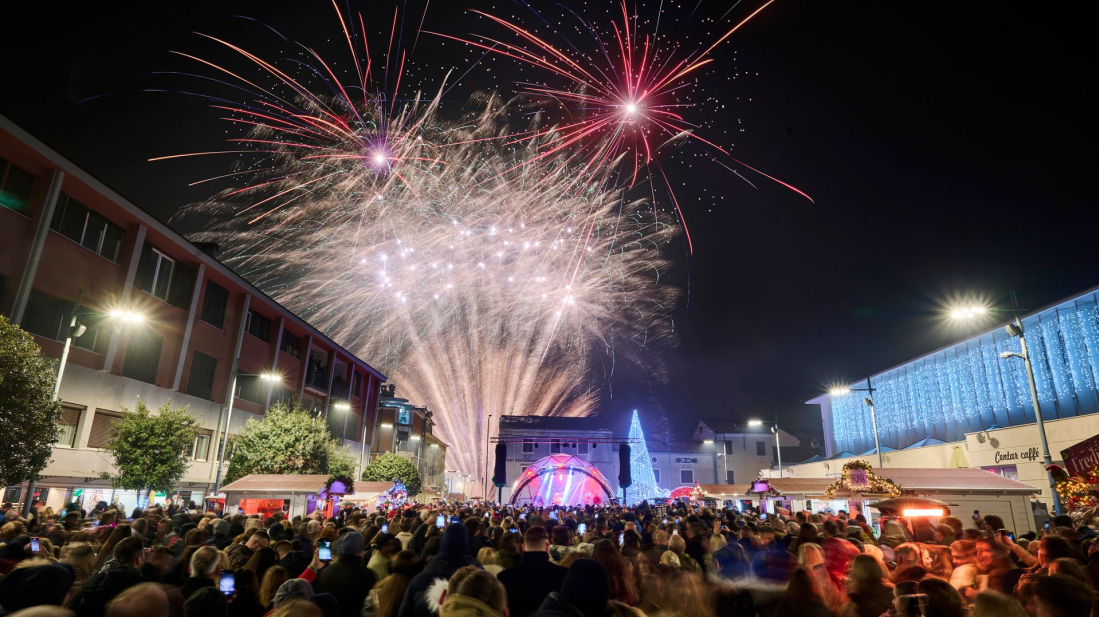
x: 202, y: 315
x: 689, y: 482
x: 158, y: 256
x: 528, y: 447
x: 209, y: 435
x: 656, y: 475
x: 195, y: 355
x: 79, y: 410
x: 761, y: 448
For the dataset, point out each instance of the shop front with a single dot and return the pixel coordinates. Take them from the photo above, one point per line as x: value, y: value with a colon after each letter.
x: 294, y: 495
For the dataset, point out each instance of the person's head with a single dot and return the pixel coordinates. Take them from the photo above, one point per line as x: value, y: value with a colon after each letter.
x: 561, y: 535
x: 350, y: 543
x: 586, y: 587
x: 942, y: 599
x: 129, y: 551
x: 272, y: 580
x: 536, y: 539
x: 283, y: 548
x: 81, y: 557
x: 660, y: 537
x: 206, y: 563
x: 992, y: 523
x: 206, y: 602
x: 1068, y: 567
x: 991, y: 554
x: 483, y: 587
x: 810, y: 555
x: 677, y: 545
x: 1061, y: 596
x: 144, y: 600
x: 684, y: 593
x: 487, y: 556
x: 293, y: 589
x: 865, y: 573
x: 258, y: 540
x: 1052, y: 548
x: 994, y: 604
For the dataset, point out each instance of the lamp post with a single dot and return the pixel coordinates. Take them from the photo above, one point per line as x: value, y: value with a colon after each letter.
x: 869, y: 401
x: 774, y: 429
x: 1016, y: 330
x: 271, y: 379
x: 73, y: 331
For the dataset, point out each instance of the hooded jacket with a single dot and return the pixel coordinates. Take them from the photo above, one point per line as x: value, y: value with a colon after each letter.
x: 103, y: 586
x: 452, y: 555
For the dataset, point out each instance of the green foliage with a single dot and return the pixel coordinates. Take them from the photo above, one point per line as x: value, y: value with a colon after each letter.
x: 288, y: 440
x: 151, y: 452
x: 28, y: 413
x: 390, y: 466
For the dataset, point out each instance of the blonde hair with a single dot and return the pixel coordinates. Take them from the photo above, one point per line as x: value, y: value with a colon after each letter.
x: 810, y: 555
x: 487, y: 556
x: 677, y: 544
x: 865, y: 573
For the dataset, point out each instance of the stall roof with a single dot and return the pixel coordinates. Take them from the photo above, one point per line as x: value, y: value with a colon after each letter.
x: 277, y: 483
x: 943, y: 480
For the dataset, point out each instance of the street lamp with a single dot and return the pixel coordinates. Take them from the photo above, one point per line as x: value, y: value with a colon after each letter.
x: 756, y: 423
x: 271, y: 378
x: 1016, y: 330
x: 869, y: 402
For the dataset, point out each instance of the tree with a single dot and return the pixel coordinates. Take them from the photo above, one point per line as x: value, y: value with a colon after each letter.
x: 288, y: 440
x: 28, y: 411
x: 390, y: 466
x: 151, y: 452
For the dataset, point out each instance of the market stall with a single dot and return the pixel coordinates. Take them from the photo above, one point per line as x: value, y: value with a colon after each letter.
x: 264, y: 494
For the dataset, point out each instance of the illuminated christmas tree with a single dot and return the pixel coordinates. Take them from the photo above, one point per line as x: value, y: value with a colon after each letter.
x: 641, y: 467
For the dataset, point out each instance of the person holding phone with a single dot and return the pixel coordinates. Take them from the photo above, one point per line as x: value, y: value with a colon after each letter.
x: 345, y: 577
x: 205, y: 571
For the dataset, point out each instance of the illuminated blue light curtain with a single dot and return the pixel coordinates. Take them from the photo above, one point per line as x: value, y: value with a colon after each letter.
x: 969, y: 387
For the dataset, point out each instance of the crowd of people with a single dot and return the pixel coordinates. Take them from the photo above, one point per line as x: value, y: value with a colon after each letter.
x: 484, y: 560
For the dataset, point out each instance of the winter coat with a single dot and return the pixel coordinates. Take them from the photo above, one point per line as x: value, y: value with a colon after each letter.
x: 103, y: 586
x: 530, y: 581
x: 452, y: 556
x: 347, y: 579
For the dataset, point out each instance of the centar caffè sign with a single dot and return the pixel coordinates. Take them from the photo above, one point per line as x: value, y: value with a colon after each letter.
x: 1003, y: 456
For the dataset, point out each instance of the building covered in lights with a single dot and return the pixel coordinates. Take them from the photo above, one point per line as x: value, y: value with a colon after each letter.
x: 967, y: 406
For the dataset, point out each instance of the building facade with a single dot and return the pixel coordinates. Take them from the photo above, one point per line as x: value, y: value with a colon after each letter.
x: 65, y: 236
x: 965, y: 403
x: 531, y: 438
x: 742, y: 450
x: 407, y: 430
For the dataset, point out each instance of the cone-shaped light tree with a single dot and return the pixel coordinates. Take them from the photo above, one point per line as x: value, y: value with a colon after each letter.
x: 644, y: 485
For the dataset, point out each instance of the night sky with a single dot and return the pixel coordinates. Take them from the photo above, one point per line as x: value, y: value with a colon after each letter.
x: 948, y: 147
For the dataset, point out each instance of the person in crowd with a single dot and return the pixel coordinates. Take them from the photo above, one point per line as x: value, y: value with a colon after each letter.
x: 534, y: 577
x: 995, y: 604
x: 46, y: 584
x: 119, y: 573
x: 562, y: 543
x: 479, y: 595
x: 942, y: 599
x: 141, y: 600
x: 387, y: 545
x: 205, y: 569
x: 405, y: 533
x: 868, y: 595
x: 995, y: 569
x: 240, y: 552
x: 269, y: 586
x: 453, y: 554
x: 585, y: 592
x: 245, y: 601
x: 347, y: 578
x: 261, y: 561
x: 385, y: 599
x: 1061, y: 596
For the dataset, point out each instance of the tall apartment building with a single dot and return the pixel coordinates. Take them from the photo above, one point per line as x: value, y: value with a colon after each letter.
x: 407, y: 430
x: 64, y: 235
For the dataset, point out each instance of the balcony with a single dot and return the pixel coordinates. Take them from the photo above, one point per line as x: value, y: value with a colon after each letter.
x: 340, y: 390
x: 316, y: 378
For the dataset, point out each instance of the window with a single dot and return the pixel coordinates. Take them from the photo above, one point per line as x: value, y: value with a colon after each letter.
x: 761, y: 448
x: 728, y: 447
x: 582, y: 447
x: 555, y: 447
x: 67, y: 425
x: 86, y: 227
x: 154, y: 273
x: 48, y: 317
x: 686, y: 476
x: 143, y: 356
x: 523, y: 469
x: 249, y: 389
x: 202, y: 445
x: 656, y: 475
x: 356, y: 384
x: 214, y: 304
x: 404, y: 416
x: 528, y: 447
x: 654, y: 459
x: 257, y: 325
x: 201, y: 380
x: 728, y: 476
x: 15, y: 186
x: 102, y: 422
x: 290, y: 344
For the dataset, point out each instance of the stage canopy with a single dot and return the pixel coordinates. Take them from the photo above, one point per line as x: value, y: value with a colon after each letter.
x: 562, y: 480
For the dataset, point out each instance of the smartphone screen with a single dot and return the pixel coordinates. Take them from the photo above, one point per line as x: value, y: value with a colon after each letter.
x: 440, y: 521
x: 486, y: 515
x: 228, y: 582
x: 621, y: 538
x: 523, y: 516
x: 385, y: 527
x: 665, y: 520
x: 324, y: 550
x: 35, y: 545
x: 582, y: 528
x: 513, y: 530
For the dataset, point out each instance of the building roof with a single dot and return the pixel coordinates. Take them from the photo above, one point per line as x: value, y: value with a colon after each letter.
x: 278, y: 483
x: 926, y: 441
x: 718, y: 425
x: 518, y: 424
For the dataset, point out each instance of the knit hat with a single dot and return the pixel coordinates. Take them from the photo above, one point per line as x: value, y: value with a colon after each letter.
x: 328, y: 604
x: 587, y: 587
x: 350, y: 543
x: 585, y: 548
x: 293, y: 589
x: 221, y: 528
x: 669, y: 558
x: 206, y: 602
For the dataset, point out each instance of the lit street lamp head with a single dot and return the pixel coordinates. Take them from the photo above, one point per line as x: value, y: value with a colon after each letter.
x: 271, y: 377
x: 967, y: 312
x: 755, y: 423
x: 839, y: 391
x: 343, y: 406
x: 128, y: 317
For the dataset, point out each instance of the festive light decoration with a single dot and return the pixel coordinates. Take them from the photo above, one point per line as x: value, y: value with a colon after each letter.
x: 968, y: 387
x: 1074, y: 491
x: 644, y: 485
x: 683, y: 492
x: 858, y: 477
x: 395, y: 496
